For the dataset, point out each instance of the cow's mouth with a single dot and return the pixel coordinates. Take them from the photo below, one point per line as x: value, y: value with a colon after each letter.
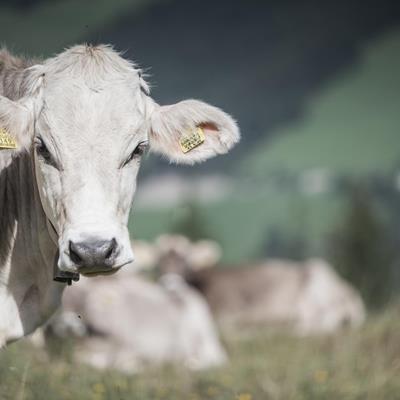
x: 99, y: 273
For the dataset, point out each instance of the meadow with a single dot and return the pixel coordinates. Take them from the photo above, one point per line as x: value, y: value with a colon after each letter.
x: 363, y: 364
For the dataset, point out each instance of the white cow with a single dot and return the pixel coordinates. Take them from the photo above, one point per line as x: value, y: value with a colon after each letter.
x: 309, y: 297
x: 80, y: 123
x: 126, y: 322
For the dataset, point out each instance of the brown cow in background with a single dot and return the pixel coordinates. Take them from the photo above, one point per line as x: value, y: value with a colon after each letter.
x: 309, y: 297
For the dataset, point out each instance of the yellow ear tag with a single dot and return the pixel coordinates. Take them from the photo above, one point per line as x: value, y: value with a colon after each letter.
x: 192, y: 140
x: 6, y: 141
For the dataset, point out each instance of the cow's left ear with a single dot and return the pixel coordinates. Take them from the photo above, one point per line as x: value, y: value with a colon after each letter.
x: 191, y: 131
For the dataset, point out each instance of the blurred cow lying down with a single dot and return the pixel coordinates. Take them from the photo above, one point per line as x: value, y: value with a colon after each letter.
x: 127, y: 322
x: 308, y: 297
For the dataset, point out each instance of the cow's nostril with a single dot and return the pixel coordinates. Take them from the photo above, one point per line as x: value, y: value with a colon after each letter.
x: 111, y: 250
x: 73, y: 253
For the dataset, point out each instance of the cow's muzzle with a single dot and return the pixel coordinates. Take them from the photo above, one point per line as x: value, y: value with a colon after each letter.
x: 94, y: 255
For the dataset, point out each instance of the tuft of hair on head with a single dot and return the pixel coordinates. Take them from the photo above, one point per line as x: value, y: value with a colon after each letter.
x: 94, y: 64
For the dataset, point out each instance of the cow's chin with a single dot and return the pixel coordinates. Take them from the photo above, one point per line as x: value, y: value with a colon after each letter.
x: 100, y: 273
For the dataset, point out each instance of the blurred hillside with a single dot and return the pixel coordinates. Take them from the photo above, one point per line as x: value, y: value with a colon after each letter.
x: 44, y: 27
x: 351, y: 126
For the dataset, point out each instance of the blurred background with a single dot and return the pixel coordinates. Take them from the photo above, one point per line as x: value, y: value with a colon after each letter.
x: 315, y: 88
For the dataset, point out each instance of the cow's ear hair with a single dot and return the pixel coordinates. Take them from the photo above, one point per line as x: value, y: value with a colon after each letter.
x: 17, y: 121
x: 174, y: 131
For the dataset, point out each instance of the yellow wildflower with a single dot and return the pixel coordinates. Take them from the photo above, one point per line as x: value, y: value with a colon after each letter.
x: 98, y: 387
x: 245, y: 396
x: 320, y: 376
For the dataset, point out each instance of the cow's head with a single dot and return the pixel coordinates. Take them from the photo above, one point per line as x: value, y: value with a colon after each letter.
x: 176, y: 254
x: 87, y: 118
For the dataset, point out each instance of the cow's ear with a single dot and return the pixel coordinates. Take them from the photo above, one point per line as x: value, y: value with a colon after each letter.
x: 191, y: 131
x: 17, y: 118
x: 204, y: 254
x: 16, y: 123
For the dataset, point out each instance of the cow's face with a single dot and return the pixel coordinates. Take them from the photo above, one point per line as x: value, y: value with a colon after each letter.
x: 88, y: 147
x: 90, y: 124
x: 176, y: 254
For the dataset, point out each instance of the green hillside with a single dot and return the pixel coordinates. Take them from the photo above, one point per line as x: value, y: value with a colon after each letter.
x: 351, y: 127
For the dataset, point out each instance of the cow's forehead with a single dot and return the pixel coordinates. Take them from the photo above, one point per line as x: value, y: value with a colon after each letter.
x: 90, y: 92
x: 82, y: 122
x: 78, y: 106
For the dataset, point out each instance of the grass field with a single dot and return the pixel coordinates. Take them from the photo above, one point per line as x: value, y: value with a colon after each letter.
x: 352, y: 365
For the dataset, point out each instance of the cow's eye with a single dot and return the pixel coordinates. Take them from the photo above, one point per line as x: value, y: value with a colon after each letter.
x: 43, y: 151
x: 137, y: 153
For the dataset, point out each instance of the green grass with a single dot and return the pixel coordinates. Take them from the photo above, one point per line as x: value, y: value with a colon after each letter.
x: 363, y: 364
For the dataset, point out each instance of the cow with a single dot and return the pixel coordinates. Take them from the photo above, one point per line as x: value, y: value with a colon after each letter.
x: 309, y: 297
x: 73, y: 129
x: 126, y: 322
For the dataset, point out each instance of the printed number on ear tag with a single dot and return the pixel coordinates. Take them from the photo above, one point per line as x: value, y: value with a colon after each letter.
x: 6, y: 141
x: 192, y: 140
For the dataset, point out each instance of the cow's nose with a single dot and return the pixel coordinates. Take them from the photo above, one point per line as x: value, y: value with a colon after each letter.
x: 93, y: 253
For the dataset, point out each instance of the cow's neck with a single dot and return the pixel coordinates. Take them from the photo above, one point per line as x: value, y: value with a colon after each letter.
x: 28, y: 294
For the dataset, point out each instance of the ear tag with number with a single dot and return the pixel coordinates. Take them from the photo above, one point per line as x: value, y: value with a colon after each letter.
x: 192, y: 140
x: 6, y: 140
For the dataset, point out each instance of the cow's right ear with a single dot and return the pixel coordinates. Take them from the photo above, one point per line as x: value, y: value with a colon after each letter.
x: 17, y: 118
x: 16, y: 123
